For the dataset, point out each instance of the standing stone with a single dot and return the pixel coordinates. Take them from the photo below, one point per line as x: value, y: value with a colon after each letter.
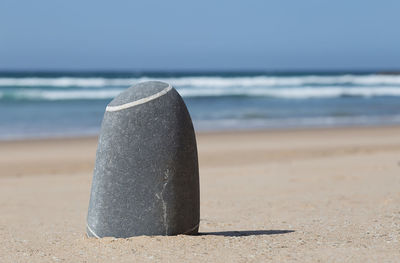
x: 146, y: 179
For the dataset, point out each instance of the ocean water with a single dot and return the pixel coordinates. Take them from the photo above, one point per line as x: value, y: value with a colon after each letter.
x: 72, y: 104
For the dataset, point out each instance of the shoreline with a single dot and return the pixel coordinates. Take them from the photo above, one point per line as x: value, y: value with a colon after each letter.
x: 216, y: 132
x: 72, y: 155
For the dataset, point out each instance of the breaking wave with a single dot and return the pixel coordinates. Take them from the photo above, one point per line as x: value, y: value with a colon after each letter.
x: 187, y: 92
x: 284, y: 87
x: 206, y: 81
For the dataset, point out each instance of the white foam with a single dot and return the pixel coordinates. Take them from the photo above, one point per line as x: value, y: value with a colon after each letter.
x: 307, y: 92
x: 68, y: 82
x: 63, y: 95
x: 293, y: 93
x: 323, y: 121
x: 256, y: 81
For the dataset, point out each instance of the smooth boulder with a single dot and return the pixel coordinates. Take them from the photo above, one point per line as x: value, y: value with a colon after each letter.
x: 146, y: 179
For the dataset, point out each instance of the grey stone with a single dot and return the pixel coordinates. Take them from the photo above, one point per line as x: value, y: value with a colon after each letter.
x: 146, y: 179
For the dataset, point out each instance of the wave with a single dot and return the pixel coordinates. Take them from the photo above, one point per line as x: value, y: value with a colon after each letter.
x: 59, y: 94
x: 188, y: 92
x: 206, y: 81
x: 294, y: 93
x: 66, y: 82
x: 327, y: 121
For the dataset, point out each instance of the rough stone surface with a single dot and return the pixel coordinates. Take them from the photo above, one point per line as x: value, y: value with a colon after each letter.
x: 145, y: 179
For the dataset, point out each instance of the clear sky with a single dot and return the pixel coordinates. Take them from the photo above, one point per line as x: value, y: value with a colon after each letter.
x: 206, y: 35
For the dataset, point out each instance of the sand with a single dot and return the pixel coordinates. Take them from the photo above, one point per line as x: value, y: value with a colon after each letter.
x: 319, y: 195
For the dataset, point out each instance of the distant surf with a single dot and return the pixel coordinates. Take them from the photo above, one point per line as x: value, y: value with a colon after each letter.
x: 46, y: 104
x: 207, y: 81
x: 306, y: 92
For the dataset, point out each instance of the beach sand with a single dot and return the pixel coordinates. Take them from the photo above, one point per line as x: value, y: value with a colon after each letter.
x: 318, y: 195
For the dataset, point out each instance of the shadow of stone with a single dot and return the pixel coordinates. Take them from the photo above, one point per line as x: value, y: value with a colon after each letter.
x: 246, y: 233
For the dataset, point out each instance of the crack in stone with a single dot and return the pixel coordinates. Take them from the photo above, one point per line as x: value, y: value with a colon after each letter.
x: 164, y: 205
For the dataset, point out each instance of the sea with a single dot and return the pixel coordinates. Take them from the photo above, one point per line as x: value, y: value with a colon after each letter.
x: 68, y: 104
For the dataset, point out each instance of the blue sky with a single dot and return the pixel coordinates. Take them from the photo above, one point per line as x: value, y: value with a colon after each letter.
x: 207, y: 35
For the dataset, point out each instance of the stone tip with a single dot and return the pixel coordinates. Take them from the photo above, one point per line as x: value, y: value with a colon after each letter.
x: 139, y: 94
